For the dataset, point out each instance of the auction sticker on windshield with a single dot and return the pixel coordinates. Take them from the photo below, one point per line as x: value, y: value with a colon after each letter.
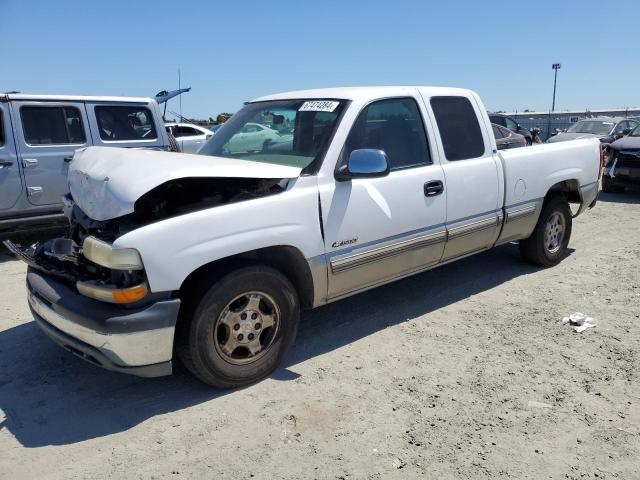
x: 319, y: 106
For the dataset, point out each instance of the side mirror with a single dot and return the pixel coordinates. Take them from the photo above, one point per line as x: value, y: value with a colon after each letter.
x: 518, y: 126
x: 364, y: 163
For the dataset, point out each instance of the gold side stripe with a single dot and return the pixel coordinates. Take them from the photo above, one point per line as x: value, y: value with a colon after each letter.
x: 352, y: 261
x: 521, y: 212
x: 473, y: 227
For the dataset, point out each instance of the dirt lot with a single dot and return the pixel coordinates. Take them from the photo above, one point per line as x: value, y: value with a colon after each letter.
x: 463, y: 372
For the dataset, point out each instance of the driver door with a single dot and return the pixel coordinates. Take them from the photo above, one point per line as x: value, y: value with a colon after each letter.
x: 377, y: 229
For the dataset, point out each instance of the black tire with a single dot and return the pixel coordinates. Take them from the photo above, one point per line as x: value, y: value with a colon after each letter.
x: 528, y: 141
x: 173, y: 143
x: 537, y: 249
x: 609, y: 187
x: 200, y: 341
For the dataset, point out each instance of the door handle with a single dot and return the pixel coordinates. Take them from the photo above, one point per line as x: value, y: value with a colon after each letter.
x: 5, y: 163
x: 431, y: 189
x: 29, y: 162
x: 67, y: 159
x: 34, y: 191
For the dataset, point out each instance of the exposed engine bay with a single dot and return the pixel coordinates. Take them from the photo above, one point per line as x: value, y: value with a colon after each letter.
x: 64, y: 259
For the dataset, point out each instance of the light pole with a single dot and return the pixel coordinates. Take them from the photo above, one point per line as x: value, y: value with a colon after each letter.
x: 556, y: 67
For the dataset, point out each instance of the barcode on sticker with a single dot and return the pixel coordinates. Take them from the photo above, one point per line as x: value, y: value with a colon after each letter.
x: 319, y: 106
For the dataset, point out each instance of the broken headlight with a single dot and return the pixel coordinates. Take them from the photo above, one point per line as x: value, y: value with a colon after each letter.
x: 104, y: 254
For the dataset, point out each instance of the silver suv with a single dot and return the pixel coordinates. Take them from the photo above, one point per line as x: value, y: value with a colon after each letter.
x: 39, y: 135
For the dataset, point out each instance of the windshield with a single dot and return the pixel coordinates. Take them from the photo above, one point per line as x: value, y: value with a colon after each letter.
x: 591, y: 126
x: 284, y: 132
x: 635, y: 132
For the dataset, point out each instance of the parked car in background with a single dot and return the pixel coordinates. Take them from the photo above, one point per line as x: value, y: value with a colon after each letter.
x: 508, y: 122
x: 39, y: 135
x: 253, y: 137
x: 622, y: 163
x: 505, y: 138
x: 212, y: 256
x: 189, y: 137
x: 607, y: 129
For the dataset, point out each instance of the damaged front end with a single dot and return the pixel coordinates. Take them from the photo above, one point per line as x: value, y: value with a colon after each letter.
x: 93, y: 298
x: 85, y: 259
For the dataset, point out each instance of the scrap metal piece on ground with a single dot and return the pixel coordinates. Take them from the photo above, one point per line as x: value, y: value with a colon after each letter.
x: 580, y: 322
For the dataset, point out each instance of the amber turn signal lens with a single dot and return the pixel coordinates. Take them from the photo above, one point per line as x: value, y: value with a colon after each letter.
x: 112, y: 295
x: 129, y: 295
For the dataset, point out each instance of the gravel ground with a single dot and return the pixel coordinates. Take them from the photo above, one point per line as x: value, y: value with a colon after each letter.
x: 463, y: 372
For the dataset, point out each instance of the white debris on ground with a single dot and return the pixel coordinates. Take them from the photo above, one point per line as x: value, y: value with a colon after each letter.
x: 580, y: 322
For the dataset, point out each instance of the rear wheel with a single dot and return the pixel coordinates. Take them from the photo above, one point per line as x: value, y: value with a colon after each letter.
x: 548, y: 243
x: 239, y: 331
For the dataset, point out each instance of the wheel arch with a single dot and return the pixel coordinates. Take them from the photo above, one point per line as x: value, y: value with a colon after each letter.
x: 286, y: 259
x: 569, y: 189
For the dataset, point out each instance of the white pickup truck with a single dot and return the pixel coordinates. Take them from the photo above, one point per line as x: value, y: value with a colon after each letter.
x: 211, y: 257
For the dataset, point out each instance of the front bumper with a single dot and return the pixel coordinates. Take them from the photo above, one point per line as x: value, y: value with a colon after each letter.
x: 135, y: 340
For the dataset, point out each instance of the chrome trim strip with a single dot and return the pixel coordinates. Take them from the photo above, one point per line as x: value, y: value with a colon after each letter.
x: 521, y: 212
x: 472, y: 227
x: 342, y: 264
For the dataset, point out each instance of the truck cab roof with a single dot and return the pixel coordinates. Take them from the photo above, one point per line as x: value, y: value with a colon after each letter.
x: 362, y: 93
x: 8, y: 97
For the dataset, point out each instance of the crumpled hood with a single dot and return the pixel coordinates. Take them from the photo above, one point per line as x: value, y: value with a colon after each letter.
x: 564, y: 136
x: 626, y: 143
x: 105, y: 182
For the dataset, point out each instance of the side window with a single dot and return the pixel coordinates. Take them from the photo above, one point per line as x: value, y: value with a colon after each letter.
x: 394, y: 126
x: 510, y: 124
x: 459, y: 128
x: 497, y: 132
x: 52, y: 126
x: 497, y: 119
x: 185, y: 132
x: 125, y: 123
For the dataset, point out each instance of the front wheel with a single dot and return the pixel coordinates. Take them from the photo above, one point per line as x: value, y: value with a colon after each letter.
x: 548, y: 243
x: 239, y: 331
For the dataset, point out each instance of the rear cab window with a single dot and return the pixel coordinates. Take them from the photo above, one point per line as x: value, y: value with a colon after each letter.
x: 56, y: 125
x: 118, y: 123
x: 460, y: 131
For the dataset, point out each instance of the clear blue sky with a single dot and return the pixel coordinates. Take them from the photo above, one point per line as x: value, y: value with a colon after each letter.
x: 233, y: 51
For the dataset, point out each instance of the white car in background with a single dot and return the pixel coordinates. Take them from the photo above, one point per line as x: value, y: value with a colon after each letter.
x: 189, y: 137
x: 253, y: 137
